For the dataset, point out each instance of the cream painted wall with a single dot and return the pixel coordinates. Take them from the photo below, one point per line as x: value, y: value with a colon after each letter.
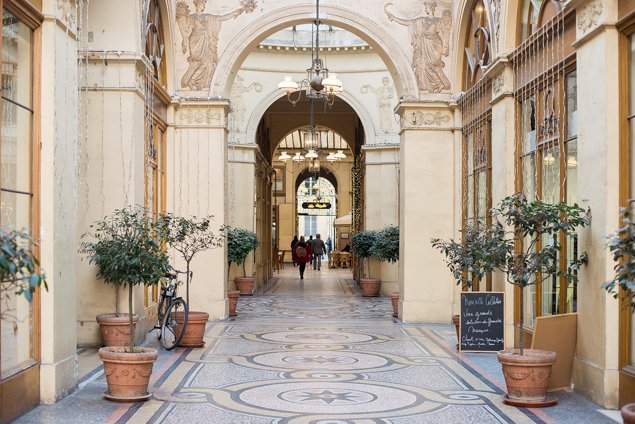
x: 58, y: 211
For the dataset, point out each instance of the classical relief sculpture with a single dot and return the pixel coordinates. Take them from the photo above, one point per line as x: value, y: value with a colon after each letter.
x: 384, y: 93
x: 200, y: 39
x: 430, y: 40
x: 237, y: 102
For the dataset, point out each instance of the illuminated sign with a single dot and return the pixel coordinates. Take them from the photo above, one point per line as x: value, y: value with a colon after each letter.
x: 316, y: 205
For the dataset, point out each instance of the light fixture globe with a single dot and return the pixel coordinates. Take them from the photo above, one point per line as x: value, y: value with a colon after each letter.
x: 331, y: 157
x: 288, y: 85
x: 311, y: 155
x: 311, y: 138
x: 284, y: 157
x: 298, y: 157
x: 340, y: 155
x: 332, y: 85
x: 317, y: 83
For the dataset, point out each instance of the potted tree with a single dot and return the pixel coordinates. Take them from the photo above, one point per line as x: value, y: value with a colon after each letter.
x: 362, y: 243
x: 19, y: 274
x: 481, y: 250
x: 386, y: 248
x: 239, y: 243
x: 537, y: 231
x: 188, y: 236
x: 622, y: 247
x: 127, y: 248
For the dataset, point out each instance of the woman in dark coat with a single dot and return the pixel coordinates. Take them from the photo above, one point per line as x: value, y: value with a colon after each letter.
x: 302, y: 253
x: 293, y: 243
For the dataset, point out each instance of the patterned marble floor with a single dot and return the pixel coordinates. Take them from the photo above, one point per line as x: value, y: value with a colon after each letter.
x: 330, y: 357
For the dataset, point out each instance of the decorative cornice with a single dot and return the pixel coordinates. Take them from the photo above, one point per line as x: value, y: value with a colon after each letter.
x: 202, y: 113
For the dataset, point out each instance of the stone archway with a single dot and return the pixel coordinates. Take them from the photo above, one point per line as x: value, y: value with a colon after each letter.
x: 377, y: 37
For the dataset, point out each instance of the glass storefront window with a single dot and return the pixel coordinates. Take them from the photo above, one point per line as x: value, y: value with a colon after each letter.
x: 16, y: 194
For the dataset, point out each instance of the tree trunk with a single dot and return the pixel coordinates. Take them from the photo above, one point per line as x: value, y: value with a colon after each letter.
x: 117, y: 312
x: 368, y: 265
x: 187, y: 283
x: 131, y: 321
x: 521, y: 320
x: 244, y: 270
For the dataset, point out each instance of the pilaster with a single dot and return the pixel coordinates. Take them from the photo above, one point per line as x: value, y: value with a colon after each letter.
x: 200, y: 186
x: 427, y: 187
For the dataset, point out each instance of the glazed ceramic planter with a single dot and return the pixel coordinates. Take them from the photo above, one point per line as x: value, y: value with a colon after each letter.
x: 527, y: 376
x: 371, y: 286
x: 233, y: 296
x: 245, y: 285
x: 115, y: 330
x: 127, y: 374
x: 628, y: 413
x: 194, y: 330
x: 394, y: 299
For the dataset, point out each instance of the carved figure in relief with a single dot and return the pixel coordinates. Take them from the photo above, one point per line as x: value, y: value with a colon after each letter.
x: 385, y: 93
x: 200, y: 39
x: 237, y: 102
x: 430, y: 40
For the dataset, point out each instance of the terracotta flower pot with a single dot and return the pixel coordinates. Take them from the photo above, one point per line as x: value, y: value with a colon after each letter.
x: 115, y: 330
x: 394, y: 299
x: 245, y: 285
x: 456, y: 320
x: 371, y: 286
x: 194, y: 330
x: 628, y: 413
x: 233, y: 296
x: 527, y: 376
x: 127, y: 374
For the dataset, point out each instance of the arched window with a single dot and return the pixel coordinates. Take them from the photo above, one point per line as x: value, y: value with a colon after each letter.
x: 476, y: 116
x: 544, y: 65
x: 155, y: 46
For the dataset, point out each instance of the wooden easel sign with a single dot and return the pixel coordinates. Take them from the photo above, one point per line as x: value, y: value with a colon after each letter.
x: 482, y: 323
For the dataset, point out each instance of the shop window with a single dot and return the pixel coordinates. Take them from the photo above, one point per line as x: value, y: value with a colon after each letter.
x: 17, y: 184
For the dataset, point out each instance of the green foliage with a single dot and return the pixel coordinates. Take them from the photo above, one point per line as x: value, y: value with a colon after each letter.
x: 482, y: 250
x: 538, y: 228
x: 239, y: 243
x: 386, y: 246
x: 18, y: 265
x: 188, y: 236
x: 127, y: 247
x: 362, y: 243
x: 622, y: 247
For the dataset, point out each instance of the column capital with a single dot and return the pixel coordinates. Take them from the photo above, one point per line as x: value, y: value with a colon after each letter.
x: 592, y: 18
x: 502, y: 76
x: 426, y: 115
x: 204, y: 113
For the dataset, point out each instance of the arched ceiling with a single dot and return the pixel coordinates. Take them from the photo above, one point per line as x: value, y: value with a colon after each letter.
x: 281, y: 118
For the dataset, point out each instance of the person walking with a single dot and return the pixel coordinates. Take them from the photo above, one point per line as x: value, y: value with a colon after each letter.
x: 302, y: 253
x: 318, y: 250
x: 310, y: 243
x: 293, y: 243
x: 329, y: 244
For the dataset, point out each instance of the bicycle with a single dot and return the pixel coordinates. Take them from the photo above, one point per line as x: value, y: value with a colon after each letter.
x: 170, y: 306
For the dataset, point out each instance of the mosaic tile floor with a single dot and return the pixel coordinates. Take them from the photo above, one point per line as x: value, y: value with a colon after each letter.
x: 326, y: 357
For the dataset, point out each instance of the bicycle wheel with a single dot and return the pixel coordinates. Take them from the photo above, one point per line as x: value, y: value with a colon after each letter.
x: 163, y: 306
x: 171, y: 331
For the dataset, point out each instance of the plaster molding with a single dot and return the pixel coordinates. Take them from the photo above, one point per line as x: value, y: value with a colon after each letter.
x: 498, y: 83
x: 495, y: 9
x: 66, y: 13
x: 203, y: 113
x: 589, y: 16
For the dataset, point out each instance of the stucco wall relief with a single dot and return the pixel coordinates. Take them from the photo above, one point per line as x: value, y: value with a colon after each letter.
x: 199, y: 40
x: 422, y: 119
x: 238, y: 103
x: 200, y: 116
x: 385, y: 94
x: 589, y: 16
x: 66, y: 12
x: 430, y: 41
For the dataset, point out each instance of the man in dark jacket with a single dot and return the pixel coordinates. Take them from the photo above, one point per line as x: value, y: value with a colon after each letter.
x: 318, y: 250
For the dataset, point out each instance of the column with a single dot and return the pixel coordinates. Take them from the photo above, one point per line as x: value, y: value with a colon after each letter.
x: 199, y: 158
x: 427, y: 209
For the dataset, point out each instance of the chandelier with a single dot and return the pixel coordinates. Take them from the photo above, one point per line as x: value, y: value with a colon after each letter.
x: 318, y: 84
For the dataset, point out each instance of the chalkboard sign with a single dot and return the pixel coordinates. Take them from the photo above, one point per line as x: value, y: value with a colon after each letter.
x: 482, y: 321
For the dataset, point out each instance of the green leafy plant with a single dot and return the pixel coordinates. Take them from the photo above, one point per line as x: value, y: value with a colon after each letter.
x: 362, y: 243
x: 188, y: 236
x: 19, y: 273
x: 127, y: 248
x: 386, y: 246
x: 482, y: 249
x: 622, y: 247
x: 538, y: 229
x: 239, y: 243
